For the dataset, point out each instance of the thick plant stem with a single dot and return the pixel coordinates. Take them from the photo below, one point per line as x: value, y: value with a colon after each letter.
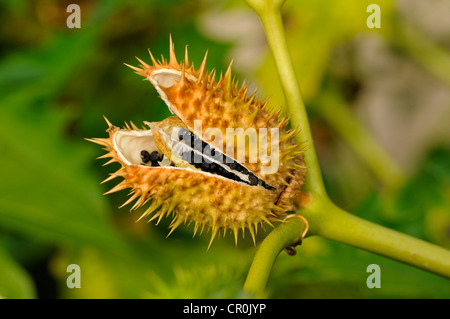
x: 325, y: 218
x: 273, y: 26
x: 329, y: 221
x: 281, y: 237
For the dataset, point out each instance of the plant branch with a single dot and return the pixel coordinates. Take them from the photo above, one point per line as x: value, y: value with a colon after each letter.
x: 324, y: 217
x: 269, y: 13
x: 329, y: 221
x: 284, y: 235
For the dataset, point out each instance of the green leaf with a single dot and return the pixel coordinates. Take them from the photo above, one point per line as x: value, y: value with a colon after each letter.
x: 201, y: 282
x: 15, y: 283
x: 47, y: 192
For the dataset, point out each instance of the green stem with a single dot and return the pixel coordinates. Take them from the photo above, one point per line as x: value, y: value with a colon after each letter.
x: 329, y: 221
x: 273, y: 26
x: 325, y: 218
x: 281, y: 237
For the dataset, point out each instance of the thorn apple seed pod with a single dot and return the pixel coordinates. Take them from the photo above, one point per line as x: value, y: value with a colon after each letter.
x: 217, y: 183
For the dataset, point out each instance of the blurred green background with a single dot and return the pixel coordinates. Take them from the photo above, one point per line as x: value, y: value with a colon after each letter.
x: 56, y: 83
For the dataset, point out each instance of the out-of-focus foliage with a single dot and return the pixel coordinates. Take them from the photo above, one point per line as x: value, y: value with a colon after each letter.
x: 17, y: 283
x: 55, y: 85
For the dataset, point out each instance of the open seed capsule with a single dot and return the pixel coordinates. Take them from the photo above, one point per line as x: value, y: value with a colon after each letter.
x: 213, y: 182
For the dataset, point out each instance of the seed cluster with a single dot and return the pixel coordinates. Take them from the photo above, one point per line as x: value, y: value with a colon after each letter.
x: 153, y: 157
x: 212, y: 163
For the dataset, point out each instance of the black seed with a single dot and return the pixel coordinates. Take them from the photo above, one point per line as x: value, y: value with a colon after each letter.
x: 145, y: 156
x: 155, y: 163
x: 233, y: 165
x: 266, y: 186
x: 253, y: 179
x: 154, y: 156
x: 214, y: 167
x: 204, y: 166
x: 198, y: 165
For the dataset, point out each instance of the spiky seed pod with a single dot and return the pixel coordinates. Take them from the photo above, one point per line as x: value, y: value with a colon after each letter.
x: 214, y: 182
